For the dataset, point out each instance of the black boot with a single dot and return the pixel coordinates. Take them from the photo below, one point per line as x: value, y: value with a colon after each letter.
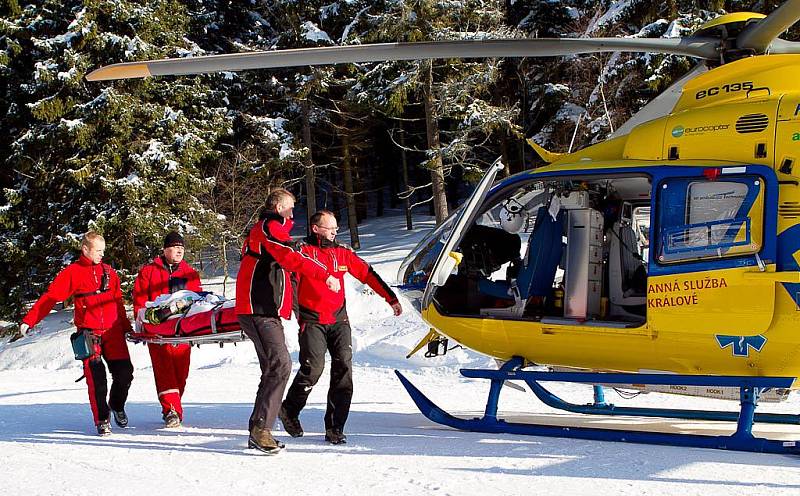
x: 291, y: 424
x: 120, y: 418
x: 104, y: 428
x: 335, y: 436
x: 172, y: 419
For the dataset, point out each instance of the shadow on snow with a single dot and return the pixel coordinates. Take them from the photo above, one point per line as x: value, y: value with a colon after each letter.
x: 219, y: 428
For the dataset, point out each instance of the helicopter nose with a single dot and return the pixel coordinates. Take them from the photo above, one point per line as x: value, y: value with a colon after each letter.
x: 412, y: 281
x: 413, y: 293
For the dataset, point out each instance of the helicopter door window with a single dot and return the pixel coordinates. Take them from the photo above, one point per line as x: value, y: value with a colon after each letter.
x: 710, y: 219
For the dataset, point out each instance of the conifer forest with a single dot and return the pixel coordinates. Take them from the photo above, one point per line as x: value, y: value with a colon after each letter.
x: 134, y: 159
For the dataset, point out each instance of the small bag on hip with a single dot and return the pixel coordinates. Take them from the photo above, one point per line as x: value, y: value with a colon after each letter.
x: 82, y: 344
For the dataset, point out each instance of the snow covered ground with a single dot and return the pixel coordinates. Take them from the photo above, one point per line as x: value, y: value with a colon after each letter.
x: 48, y: 443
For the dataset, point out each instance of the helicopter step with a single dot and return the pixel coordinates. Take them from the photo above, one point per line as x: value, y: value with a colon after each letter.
x: 650, y: 431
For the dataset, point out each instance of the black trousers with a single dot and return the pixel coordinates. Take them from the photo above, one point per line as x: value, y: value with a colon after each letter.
x: 314, y: 340
x: 267, y: 336
x: 121, y: 378
x: 111, y: 347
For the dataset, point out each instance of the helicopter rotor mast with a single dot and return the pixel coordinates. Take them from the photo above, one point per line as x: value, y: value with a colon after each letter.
x: 762, y: 36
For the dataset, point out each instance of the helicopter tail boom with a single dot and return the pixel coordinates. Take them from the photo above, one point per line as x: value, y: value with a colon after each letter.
x: 548, y: 156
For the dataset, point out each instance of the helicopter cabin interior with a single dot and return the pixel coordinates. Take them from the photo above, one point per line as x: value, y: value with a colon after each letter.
x: 563, y: 250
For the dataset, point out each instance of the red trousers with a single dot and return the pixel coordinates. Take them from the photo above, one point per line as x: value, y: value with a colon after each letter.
x: 111, y: 346
x: 170, y: 368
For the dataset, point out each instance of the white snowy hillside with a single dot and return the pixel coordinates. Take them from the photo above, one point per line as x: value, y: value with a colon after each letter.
x: 48, y: 444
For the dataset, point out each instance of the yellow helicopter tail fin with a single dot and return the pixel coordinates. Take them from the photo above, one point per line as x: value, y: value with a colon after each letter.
x: 432, y: 334
x: 547, y: 156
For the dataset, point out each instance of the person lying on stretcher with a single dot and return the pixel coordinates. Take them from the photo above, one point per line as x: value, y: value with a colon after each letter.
x: 187, y: 313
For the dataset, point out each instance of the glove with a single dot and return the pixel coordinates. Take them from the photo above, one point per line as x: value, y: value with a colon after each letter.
x: 333, y: 284
x: 24, y: 329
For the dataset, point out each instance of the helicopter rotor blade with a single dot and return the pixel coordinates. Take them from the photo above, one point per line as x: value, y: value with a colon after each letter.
x: 760, y: 35
x: 783, y: 46
x: 705, y: 48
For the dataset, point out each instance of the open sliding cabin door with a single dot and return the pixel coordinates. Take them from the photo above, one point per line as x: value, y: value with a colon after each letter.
x: 714, y: 234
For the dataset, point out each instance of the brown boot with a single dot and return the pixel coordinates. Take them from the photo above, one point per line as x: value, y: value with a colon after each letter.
x: 262, y: 440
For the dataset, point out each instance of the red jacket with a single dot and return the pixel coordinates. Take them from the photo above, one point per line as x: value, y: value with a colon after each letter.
x: 263, y: 285
x: 320, y: 304
x: 155, y: 279
x: 82, y: 279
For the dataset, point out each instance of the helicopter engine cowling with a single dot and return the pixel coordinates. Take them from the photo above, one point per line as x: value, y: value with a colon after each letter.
x: 744, y: 112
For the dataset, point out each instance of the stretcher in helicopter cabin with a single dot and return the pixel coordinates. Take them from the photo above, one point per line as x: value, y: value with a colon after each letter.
x: 187, y: 317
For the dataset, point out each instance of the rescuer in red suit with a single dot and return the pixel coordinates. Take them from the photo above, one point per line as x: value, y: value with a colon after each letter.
x: 100, y: 314
x: 166, y: 274
x: 324, y: 325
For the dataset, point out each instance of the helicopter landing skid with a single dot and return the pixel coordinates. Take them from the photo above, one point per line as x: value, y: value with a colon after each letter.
x: 741, y: 440
x: 600, y: 407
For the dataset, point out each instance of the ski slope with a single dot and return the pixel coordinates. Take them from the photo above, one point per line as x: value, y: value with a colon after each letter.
x: 48, y: 444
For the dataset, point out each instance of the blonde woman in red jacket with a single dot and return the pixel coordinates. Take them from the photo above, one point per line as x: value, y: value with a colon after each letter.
x: 166, y: 274
x: 324, y: 326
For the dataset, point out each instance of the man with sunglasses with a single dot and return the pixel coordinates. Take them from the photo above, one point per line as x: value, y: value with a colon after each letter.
x: 99, y: 309
x: 324, y: 326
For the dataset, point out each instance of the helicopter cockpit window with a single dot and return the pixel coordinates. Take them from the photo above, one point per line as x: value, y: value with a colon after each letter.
x: 416, y: 268
x: 710, y: 219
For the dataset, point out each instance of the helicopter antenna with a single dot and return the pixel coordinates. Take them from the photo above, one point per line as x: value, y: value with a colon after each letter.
x: 575, y: 132
x: 605, y: 106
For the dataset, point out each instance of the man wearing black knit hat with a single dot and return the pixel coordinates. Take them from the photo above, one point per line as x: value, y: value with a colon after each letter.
x: 166, y: 274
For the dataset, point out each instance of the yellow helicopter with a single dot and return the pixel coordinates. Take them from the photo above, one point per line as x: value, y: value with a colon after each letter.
x: 664, y: 256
